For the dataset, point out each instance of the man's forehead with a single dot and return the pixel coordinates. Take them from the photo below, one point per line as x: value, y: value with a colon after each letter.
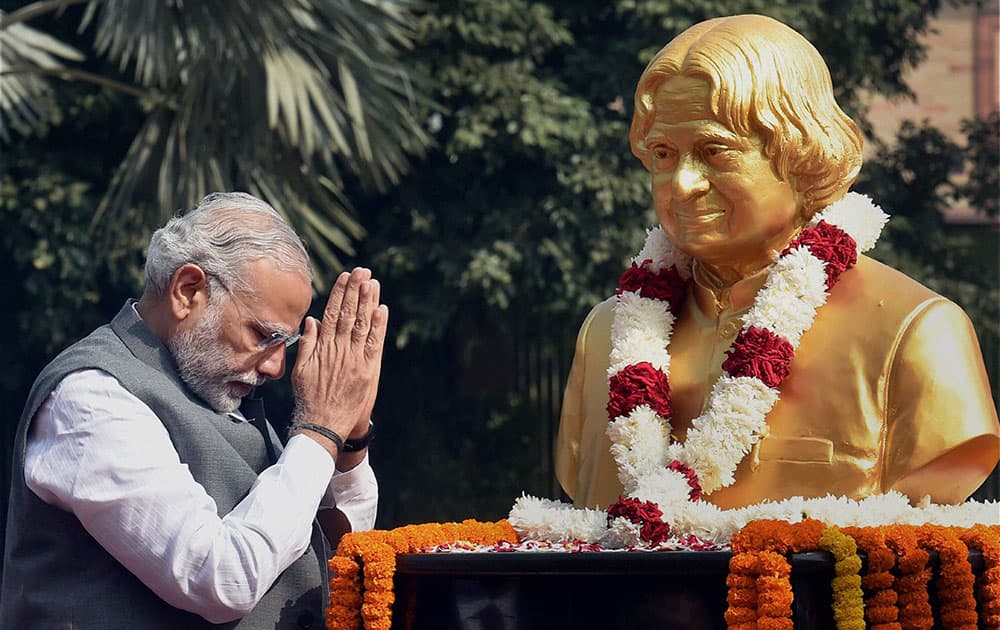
x: 280, y: 292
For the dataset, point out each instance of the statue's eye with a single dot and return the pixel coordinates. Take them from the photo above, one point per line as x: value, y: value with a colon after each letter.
x: 714, y: 149
x: 661, y: 152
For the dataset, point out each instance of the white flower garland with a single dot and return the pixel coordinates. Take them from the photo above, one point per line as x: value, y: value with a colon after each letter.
x: 734, y: 418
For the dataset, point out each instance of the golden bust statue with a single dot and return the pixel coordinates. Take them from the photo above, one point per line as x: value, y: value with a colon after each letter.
x: 736, y: 121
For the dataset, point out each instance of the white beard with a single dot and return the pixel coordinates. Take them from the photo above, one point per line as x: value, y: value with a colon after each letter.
x: 205, y: 364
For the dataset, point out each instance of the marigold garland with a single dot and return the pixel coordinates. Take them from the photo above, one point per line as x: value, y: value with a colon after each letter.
x: 760, y: 589
x: 955, y: 581
x: 344, y: 610
x: 774, y: 591
x: 987, y: 539
x: 780, y: 536
x: 881, y: 611
x: 362, y: 571
x: 911, y: 583
x: 742, y: 595
x: 848, y: 599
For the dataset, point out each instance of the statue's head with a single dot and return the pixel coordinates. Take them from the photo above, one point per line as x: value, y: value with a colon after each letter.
x: 767, y: 89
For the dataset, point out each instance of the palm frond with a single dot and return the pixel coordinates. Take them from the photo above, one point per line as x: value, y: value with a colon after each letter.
x: 25, y: 94
x: 272, y: 97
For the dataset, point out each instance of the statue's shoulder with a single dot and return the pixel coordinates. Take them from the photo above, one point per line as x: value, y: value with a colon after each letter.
x: 870, y: 273
x: 600, y: 318
x: 897, y: 296
x: 594, y: 335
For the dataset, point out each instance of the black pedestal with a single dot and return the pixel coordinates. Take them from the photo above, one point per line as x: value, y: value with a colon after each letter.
x: 670, y: 590
x: 680, y: 590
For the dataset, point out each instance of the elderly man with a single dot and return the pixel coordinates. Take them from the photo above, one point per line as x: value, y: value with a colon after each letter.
x: 736, y: 121
x: 149, y: 490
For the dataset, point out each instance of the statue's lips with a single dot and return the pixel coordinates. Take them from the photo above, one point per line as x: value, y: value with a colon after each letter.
x: 697, y: 218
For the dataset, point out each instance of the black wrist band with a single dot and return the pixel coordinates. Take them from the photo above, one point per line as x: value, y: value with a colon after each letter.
x: 327, y: 433
x: 351, y: 446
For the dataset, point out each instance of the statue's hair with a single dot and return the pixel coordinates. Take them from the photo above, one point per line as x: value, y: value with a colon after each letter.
x: 222, y: 235
x: 764, y: 79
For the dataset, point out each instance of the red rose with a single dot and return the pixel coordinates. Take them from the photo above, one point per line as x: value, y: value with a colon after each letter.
x: 830, y: 244
x: 638, y: 384
x: 644, y: 513
x: 760, y: 353
x: 665, y: 285
x: 654, y: 532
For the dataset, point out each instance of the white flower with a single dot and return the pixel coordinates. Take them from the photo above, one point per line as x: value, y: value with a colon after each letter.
x: 721, y: 437
x: 663, y: 254
x: 638, y: 444
x: 704, y: 520
x: 640, y: 331
x: 793, y: 291
x: 541, y: 519
x: 666, y: 488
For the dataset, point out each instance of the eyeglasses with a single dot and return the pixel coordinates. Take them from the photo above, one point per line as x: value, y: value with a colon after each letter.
x: 270, y: 334
x: 277, y: 337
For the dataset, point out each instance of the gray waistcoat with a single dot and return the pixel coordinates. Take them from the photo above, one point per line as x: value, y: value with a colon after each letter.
x: 56, y: 576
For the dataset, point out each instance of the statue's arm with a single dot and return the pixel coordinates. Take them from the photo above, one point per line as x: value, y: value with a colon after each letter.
x: 941, y: 433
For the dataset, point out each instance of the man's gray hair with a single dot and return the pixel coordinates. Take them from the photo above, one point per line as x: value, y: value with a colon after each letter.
x: 222, y: 235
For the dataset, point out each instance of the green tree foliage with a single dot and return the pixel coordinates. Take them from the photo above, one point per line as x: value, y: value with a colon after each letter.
x: 274, y: 98
x: 61, y: 282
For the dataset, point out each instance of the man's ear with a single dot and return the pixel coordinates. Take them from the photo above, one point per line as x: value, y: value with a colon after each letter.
x: 188, y: 291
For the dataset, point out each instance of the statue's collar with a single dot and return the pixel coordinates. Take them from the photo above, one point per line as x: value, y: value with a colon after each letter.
x: 714, y: 295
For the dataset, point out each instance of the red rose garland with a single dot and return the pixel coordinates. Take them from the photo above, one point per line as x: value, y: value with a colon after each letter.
x: 690, y: 475
x: 830, y: 244
x: 666, y: 285
x: 756, y: 353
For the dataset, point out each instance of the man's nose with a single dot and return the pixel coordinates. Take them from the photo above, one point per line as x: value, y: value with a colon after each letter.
x: 272, y: 365
x: 689, y: 180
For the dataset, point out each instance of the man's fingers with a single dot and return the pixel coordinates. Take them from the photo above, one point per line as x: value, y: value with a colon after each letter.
x: 376, y: 333
x: 307, y: 343
x: 376, y: 293
x: 349, y: 306
x: 333, y: 304
x: 362, y: 319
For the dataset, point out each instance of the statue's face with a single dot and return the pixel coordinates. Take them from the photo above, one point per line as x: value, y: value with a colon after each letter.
x: 716, y: 194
